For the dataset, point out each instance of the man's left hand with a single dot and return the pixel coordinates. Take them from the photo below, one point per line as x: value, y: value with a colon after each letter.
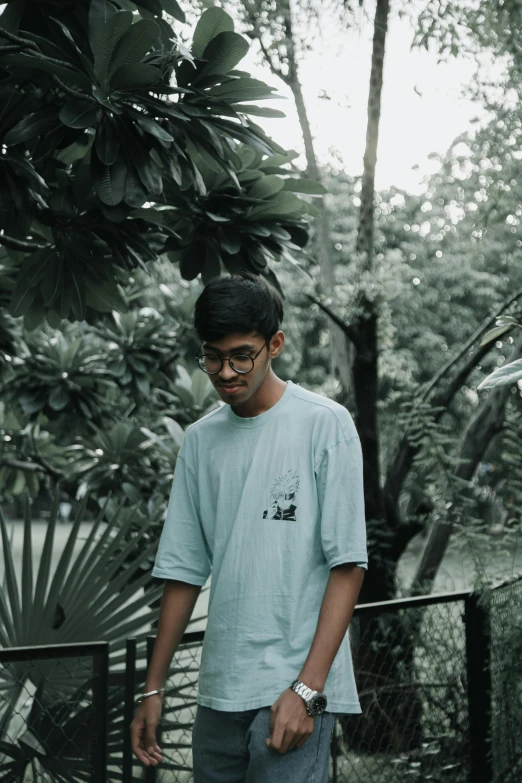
x: 290, y: 724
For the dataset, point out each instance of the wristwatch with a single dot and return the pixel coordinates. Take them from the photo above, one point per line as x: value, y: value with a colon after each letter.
x: 315, y: 702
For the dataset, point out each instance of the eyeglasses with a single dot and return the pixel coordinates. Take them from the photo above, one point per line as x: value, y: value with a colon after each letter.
x: 240, y: 362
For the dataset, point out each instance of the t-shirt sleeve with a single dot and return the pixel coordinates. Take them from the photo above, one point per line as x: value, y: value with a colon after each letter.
x: 339, y: 477
x: 182, y: 552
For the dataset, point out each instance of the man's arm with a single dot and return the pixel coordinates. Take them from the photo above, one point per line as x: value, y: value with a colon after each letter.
x: 341, y: 594
x: 290, y: 724
x: 177, y: 604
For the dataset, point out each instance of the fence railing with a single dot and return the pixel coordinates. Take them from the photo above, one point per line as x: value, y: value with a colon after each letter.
x: 437, y: 702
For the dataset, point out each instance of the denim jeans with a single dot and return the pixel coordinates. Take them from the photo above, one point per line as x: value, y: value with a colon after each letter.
x: 230, y: 747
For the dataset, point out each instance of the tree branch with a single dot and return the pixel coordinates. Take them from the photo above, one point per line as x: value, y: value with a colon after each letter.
x: 29, y: 467
x: 16, y: 39
x: 346, y: 328
x: 19, y: 244
x: 257, y: 34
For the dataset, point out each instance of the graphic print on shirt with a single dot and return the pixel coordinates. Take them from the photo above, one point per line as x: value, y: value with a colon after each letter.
x: 282, y: 500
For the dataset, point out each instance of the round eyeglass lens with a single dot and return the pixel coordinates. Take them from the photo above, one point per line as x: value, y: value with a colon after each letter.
x: 241, y: 363
x: 212, y: 364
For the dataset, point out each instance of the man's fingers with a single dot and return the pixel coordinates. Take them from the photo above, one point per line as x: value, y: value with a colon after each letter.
x: 273, y: 714
x: 144, y: 745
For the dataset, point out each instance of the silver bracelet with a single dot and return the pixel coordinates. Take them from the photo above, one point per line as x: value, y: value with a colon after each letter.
x: 150, y: 693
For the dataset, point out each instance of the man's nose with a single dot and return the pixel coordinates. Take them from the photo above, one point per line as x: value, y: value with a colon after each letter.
x: 227, y: 373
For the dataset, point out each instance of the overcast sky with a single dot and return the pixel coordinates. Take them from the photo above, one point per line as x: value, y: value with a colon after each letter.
x: 423, y: 108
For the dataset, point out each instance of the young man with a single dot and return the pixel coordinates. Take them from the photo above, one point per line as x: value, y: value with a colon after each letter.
x: 268, y: 497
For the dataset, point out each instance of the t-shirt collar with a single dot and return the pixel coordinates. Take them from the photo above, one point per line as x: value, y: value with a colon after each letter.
x: 261, y: 418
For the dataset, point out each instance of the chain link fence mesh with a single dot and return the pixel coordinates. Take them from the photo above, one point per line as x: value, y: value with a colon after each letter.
x: 506, y: 682
x: 51, y: 707
x: 410, y: 665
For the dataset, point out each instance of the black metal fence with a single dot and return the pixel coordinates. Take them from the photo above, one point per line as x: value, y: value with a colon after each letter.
x: 439, y: 702
x: 53, y: 713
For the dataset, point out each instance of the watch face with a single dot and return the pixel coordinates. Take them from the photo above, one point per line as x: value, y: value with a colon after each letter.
x: 317, y: 704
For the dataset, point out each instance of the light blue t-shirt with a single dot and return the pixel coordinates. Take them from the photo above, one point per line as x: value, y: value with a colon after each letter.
x: 267, y: 505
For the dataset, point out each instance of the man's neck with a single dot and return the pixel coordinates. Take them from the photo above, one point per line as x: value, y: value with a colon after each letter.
x: 270, y: 392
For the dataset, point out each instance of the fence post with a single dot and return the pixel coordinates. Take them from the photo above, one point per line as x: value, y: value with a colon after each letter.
x: 100, y: 703
x: 128, y: 708
x: 478, y: 665
x: 150, y: 772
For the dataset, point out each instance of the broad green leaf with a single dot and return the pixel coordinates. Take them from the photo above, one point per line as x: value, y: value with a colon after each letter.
x: 76, y: 292
x: 173, y: 8
x: 134, y: 44
x: 260, y: 111
x: 230, y: 87
x: 21, y: 299
x: 152, y: 127
x: 107, y: 142
x: 280, y: 205
x: 59, y: 398
x: 308, y: 186
x: 201, y: 387
x: 184, y: 394
x: 507, y: 374
x: 105, y: 39
x: 266, y: 187
x: 34, y: 316
x: 101, y: 296
x: 223, y: 53
x: 494, y: 333
x: 128, y: 77
x: 100, y: 12
x: 504, y: 320
x: 212, y: 266
x: 175, y: 430
x: 212, y: 22
x: 193, y: 260
x: 270, y: 275
x: 152, y: 6
x: 35, y: 124
x: 80, y: 114
x: 279, y: 160
x: 230, y: 240
x: 135, y: 193
x: 111, y: 183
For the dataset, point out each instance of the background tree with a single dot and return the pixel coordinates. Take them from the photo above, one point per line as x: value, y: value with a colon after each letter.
x: 285, y: 30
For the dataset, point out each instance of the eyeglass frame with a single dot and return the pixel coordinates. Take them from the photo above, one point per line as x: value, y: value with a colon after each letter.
x: 244, y: 372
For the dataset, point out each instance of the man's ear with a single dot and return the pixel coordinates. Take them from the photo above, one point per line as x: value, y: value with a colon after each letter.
x: 277, y: 343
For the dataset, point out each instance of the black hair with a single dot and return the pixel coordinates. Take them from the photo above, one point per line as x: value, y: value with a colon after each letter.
x: 242, y: 302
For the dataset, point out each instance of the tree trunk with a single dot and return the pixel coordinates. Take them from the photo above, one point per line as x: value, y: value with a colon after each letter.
x: 382, y: 654
x: 479, y: 434
x: 366, y: 359
x: 341, y: 350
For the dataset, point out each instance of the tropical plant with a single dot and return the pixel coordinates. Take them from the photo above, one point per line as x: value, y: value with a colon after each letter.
x: 138, y: 343
x: 56, y: 372
x: 99, y: 589
x: 108, y: 119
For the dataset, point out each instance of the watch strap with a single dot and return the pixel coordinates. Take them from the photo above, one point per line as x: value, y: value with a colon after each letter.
x: 303, y: 690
